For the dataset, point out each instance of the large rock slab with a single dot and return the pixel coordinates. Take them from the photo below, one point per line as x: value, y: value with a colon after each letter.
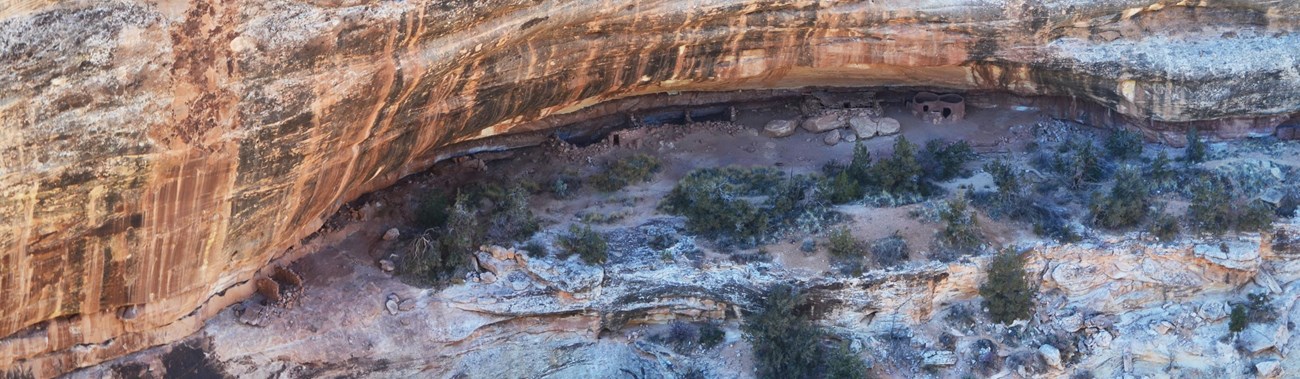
x: 825, y: 122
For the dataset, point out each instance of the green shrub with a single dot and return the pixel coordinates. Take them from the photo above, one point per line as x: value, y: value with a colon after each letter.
x: 1127, y: 203
x: 787, y: 345
x: 511, y: 219
x: 426, y: 264
x: 1124, y: 144
x: 842, y: 363
x: 711, y: 335
x: 1161, y: 173
x: 960, y: 233
x: 843, y: 245
x: 737, y: 205
x: 1005, y: 178
x: 1007, y: 293
x: 433, y: 210
x: 1165, y: 227
x: 889, y: 251
x: 1196, y: 150
x: 587, y: 243
x: 462, y: 234
x: 1259, y: 307
x: 536, y: 249
x: 945, y: 161
x: 1214, y: 210
x: 1237, y: 321
x: 626, y: 171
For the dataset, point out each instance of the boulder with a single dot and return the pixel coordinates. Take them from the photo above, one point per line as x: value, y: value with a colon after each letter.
x: 1071, y: 323
x: 1051, y: 355
x: 391, y: 304
x: 825, y: 122
x: 887, y: 126
x: 849, y: 136
x: 779, y: 128
x: 863, y: 126
x: 832, y: 137
x: 392, y: 234
x: 1267, y: 369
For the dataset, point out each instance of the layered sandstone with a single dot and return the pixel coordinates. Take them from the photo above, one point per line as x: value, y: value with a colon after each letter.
x: 156, y: 155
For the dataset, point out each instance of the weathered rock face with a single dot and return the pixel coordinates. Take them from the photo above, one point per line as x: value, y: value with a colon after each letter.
x: 158, y: 154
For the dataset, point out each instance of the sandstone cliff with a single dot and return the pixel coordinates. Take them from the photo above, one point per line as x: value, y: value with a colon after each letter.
x: 156, y: 155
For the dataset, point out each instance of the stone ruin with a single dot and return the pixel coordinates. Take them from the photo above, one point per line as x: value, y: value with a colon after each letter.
x: 936, y: 108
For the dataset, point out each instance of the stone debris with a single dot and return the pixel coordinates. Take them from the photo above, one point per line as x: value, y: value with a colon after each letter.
x: 253, y: 314
x: 1071, y: 323
x: 849, y: 136
x: 832, y: 137
x: 387, y: 265
x: 938, y: 358
x: 392, y: 234
x: 779, y: 128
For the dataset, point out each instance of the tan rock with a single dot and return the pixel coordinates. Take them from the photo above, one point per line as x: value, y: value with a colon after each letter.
x: 831, y: 137
x: 779, y: 128
x: 887, y: 126
x: 864, y: 126
x: 825, y: 122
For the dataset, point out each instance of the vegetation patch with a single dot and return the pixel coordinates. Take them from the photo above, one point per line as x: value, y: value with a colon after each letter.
x: 624, y: 172
x: 788, y: 345
x: 587, y: 243
x: 738, y: 206
x: 960, y: 233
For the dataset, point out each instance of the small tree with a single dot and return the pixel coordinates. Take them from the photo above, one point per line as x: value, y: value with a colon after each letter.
x: 1087, y: 166
x: 900, y: 174
x: 1007, y: 293
x: 860, y: 167
x: 1124, y: 144
x: 1196, y: 150
x: 1005, y: 178
x: 1237, y: 321
x: 1161, y: 173
x: 785, y: 344
x: 462, y: 234
x: 960, y: 232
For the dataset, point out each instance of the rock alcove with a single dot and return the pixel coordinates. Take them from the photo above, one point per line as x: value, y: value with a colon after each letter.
x: 161, y: 157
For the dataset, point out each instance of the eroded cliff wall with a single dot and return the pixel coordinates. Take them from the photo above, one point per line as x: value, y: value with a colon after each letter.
x: 157, y: 154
